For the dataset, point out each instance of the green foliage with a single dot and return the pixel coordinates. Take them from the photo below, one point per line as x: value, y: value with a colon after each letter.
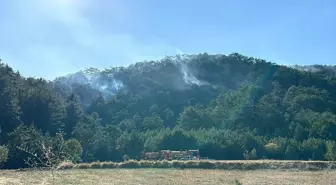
x: 178, y: 140
x: 195, y: 118
x: 331, y: 151
x: 274, y: 150
x: 131, y: 144
x: 246, y: 155
x: 152, y: 123
x: 227, y: 106
x: 74, y: 114
x: 128, y: 125
x: 253, y: 154
x: 73, y: 150
x: 21, y: 139
x: 313, y: 149
x: 3, y: 154
x: 236, y: 182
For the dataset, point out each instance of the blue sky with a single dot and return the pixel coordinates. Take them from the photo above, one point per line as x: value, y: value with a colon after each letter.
x: 49, y: 38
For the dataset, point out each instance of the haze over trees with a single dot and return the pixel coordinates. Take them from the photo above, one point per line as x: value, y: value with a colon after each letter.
x: 228, y: 106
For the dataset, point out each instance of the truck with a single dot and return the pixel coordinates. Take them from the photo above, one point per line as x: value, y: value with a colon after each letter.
x: 172, y: 155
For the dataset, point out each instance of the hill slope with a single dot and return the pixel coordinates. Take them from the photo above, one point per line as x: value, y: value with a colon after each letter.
x: 230, y: 107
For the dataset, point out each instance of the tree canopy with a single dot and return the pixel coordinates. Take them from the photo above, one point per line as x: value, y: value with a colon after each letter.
x: 228, y: 106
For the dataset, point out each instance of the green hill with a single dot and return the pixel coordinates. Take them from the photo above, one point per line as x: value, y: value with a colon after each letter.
x: 228, y: 106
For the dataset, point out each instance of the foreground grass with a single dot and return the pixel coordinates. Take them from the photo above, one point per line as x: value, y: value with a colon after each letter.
x: 168, y: 176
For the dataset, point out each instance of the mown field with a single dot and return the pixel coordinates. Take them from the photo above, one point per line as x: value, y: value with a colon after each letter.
x: 257, y: 172
x: 168, y: 176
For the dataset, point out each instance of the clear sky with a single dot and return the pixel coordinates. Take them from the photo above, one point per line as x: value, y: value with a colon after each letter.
x: 49, y: 38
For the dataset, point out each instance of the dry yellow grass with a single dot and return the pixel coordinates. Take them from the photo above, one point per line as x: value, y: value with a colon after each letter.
x: 213, y: 164
x: 168, y: 176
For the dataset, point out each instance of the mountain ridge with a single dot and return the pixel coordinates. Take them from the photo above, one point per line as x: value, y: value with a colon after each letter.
x: 227, y: 106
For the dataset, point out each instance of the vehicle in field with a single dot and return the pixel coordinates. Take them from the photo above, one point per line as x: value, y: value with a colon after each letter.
x: 172, y: 155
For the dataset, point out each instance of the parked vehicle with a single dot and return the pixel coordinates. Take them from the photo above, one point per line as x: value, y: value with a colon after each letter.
x: 172, y: 155
x: 189, y: 158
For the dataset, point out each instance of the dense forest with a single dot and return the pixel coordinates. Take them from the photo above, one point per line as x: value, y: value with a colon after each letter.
x: 227, y: 106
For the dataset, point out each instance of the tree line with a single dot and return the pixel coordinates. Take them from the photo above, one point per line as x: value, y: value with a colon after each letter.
x: 227, y: 106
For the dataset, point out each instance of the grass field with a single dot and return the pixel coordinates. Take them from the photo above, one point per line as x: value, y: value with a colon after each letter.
x: 168, y: 176
x: 210, y: 164
x: 259, y: 172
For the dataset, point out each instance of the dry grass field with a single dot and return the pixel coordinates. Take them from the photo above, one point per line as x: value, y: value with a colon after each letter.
x: 210, y: 164
x: 152, y: 176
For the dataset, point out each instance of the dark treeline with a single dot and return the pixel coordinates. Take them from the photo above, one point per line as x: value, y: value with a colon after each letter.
x: 228, y: 106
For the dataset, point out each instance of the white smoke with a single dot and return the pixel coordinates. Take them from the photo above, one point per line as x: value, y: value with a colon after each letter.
x: 188, y: 75
x: 106, y: 84
x: 104, y: 87
x: 306, y: 68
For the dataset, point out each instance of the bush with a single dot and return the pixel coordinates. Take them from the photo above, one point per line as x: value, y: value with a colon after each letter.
x: 330, y: 151
x: 221, y: 165
x: 206, y: 165
x: 146, y: 164
x: 236, y: 182
x: 274, y: 150
x: 253, y: 154
x: 192, y: 164
x: 65, y: 165
x: 162, y: 164
x: 3, y: 154
x: 95, y: 165
x: 83, y: 166
x: 178, y: 164
x: 108, y: 165
x: 129, y: 164
x: 73, y: 150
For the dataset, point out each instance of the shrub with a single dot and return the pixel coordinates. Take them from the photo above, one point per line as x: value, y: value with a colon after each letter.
x: 129, y: 164
x: 146, y: 164
x: 3, y: 154
x: 222, y: 165
x: 95, y: 165
x: 253, y: 154
x: 192, y: 164
x: 83, y: 166
x: 274, y: 150
x: 206, y: 165
x: 73, y: 150
x: 178, y: 164
x: 162, y: 164
x: 236, y: 182
x: 108, y: 165
x: 246, y: 155
x: 65, y: 165
x: 330, y: 154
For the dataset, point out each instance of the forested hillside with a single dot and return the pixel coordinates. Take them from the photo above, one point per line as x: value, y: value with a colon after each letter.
x: 228, y: 106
